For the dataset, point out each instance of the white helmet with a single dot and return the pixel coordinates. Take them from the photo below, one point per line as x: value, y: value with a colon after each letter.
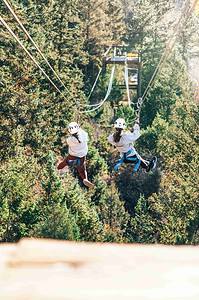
x: 73, y: 127
x: 120, y: 123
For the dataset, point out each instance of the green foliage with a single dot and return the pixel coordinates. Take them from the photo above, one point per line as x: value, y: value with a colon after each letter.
x: 18, y: 197
x: 55, y: 221
x: 159, y: 207
x: 80, y: 205
x: 175, y: 209
x: 111, y: 211
x: 97, y: 164
x: 172, y: 82
x: 145, y: 226
x: 127, y: 113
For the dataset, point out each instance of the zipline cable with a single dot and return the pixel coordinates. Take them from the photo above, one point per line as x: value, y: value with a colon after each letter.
x: 36, y: 46
x: 93, y: 87
x: 169, y: 46
x: 187, y: 11
x: 28, y: 53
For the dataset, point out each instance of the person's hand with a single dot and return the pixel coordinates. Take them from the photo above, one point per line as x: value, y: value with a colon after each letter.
x: 63, y: 140
x: 137, y: 121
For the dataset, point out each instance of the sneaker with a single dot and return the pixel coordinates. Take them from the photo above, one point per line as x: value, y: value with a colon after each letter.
x: 152, y: 164
x: 87, y: 183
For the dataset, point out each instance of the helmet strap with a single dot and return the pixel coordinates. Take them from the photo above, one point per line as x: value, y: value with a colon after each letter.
x: 76, y: 136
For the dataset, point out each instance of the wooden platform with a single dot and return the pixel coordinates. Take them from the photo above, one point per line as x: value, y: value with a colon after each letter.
x: 47, y: 269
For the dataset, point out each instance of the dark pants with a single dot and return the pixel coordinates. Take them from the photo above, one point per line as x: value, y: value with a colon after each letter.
x: 134, y: 159
x: 79, y: 163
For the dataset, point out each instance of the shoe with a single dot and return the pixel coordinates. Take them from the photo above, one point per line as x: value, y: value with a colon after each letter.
x: 87, y: 183
x: 152, y: 164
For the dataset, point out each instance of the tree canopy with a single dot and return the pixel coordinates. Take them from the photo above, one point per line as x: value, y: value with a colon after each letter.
x: 157, y: 207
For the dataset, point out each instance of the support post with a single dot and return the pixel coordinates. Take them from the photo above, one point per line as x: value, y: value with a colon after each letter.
x: 139, y: 91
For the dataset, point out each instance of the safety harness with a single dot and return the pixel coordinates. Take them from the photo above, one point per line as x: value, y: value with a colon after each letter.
x: 75, y: 162
x: 126, y: 159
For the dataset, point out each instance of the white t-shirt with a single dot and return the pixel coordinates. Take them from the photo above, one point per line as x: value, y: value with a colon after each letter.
x: 74, y: 147
x: 126, y: 141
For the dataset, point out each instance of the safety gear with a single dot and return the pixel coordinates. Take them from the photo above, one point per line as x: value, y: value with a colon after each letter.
x: 120, y: 123
x: 128, y: 159
x: 74, y: 163
x: 73, y: 128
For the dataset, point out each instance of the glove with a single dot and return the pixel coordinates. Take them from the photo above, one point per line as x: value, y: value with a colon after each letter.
x: 136, y: 126
x: 137, y: 121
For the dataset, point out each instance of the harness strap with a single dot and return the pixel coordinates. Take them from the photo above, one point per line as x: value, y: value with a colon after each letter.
x: 125, y: 158
x: 75, y: 162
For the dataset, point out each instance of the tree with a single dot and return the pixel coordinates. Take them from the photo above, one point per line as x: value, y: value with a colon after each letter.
x: 171, y: 216
x: 18, y: 197
x: 56, y: 220
x: 111, y: 211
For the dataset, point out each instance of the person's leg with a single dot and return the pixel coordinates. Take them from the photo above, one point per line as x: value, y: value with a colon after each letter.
x: 134, y: 159
x: 83, y: 173
x: 139, y: 161
x: 152, y: 164
x: 130, y: 159
x: 148, y: 165
x: 81, y: 168
x: 66, y: 161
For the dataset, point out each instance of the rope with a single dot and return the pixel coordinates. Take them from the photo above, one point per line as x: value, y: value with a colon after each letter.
x: 98, y: 105
x: 36, y: 46
x: 138, y: 109
x: 93, y: 87
x: 28, y: 53
x: 107, y: 93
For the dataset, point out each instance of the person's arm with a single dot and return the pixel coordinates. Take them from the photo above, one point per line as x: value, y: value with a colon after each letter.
x: 110, y: 139
x: 64, y: 140
x: 135, y: 134
x: 69, y: 141
x: 83, y: 136
x: 86, y: 137
x: 137, y: 122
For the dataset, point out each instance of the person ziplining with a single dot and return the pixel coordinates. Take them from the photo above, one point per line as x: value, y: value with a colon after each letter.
x: 78, y: 148
x: 123, y: 141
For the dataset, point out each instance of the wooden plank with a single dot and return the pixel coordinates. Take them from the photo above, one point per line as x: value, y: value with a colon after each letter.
x: 56, y: 270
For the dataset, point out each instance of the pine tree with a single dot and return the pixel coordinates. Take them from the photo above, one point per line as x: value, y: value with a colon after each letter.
x: 171, y: 216
x: 111, y: 211
x: 28, y: 99
x: 18, y: 197
x: 56, y: 220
